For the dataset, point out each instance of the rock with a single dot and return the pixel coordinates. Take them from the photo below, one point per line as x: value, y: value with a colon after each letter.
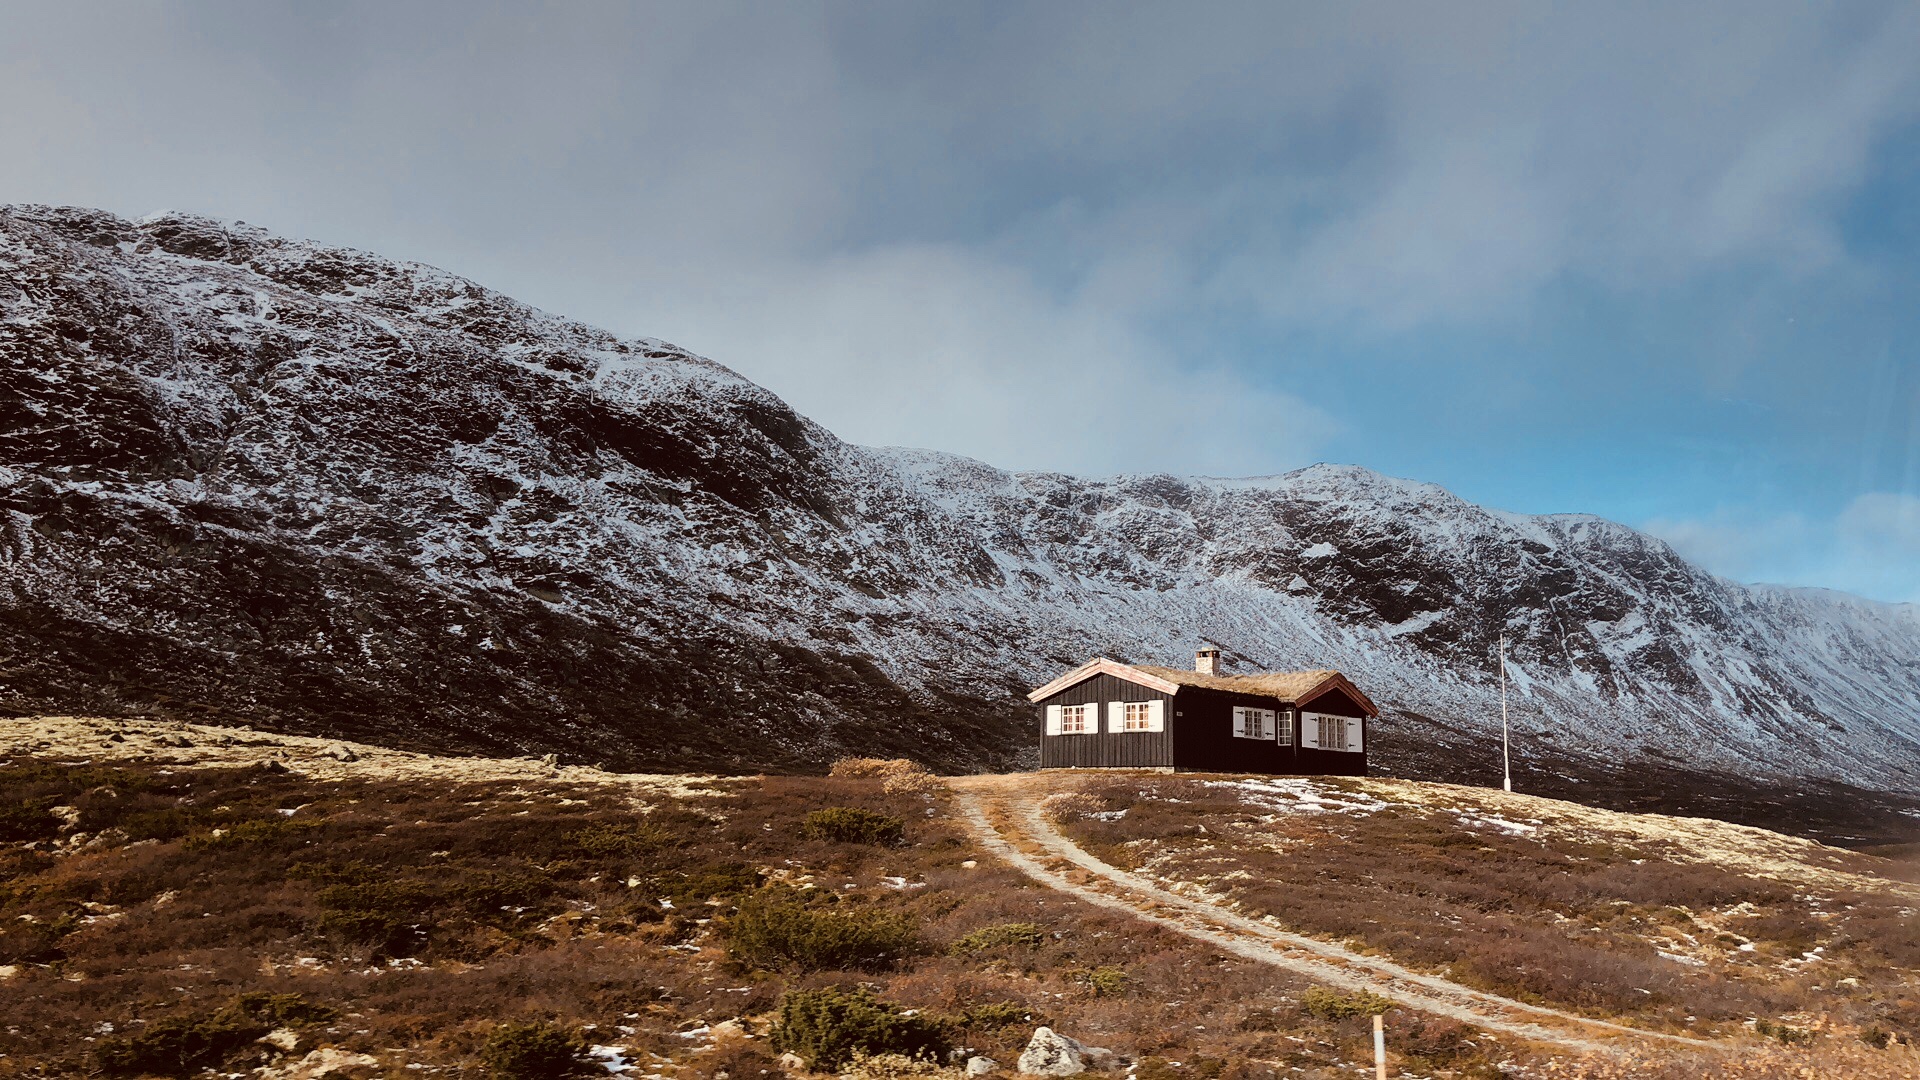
x: 791, y: 1062
x: 8, y: 971
x: 981, y: 1066
x: 280, y: 1039
x: 321, y: 1063
x: 1049, y: 1053
x: 341, y: 752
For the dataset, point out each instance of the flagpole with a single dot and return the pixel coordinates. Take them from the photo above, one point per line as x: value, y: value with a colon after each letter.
x: 1506, y: 758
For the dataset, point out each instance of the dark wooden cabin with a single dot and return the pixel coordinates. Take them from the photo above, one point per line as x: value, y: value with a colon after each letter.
x: 1108, y: 715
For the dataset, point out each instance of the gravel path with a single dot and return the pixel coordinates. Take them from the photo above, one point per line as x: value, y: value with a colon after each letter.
x: 1024, y: 838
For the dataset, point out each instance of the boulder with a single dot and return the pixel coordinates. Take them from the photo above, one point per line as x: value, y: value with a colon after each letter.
x: 1050, y: 1053
x: 981, y: 1066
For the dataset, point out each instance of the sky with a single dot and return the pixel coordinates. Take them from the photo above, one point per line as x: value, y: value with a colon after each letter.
x: 1655, y: 262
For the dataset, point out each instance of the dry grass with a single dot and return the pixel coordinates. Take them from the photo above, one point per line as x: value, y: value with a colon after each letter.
x: 422, y: 915
x: 421, y: 908
x: 1601, y: 923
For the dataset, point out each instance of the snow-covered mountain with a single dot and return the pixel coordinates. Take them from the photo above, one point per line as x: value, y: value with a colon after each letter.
x: 257, y: 479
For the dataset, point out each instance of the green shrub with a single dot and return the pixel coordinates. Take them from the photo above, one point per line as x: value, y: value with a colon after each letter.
x: 708, y: 883
x: 1329, y: 1004
x: 852, y: 825
x: 536, y: 1050
x: 1024, y: 935
x: 994, y: 1015
x: 184, y: 1045
x: 27, y: 819
x: 827, y: 1027
x: 257, y: 831
x: 778, y: 929
x: 1198, y: 1068
x: 1108, y: 981
x: 386, y: 914
x: 610, y: 840
x: 1791, y: 1036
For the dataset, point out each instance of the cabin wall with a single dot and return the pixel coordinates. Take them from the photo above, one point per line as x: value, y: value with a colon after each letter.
x: 1204, y: 739
x: 1104, y: 749
x: 1316, y: 762
x: 1199, y: 733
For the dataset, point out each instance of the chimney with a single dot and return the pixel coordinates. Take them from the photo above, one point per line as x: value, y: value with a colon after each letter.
x: 1207, y: 661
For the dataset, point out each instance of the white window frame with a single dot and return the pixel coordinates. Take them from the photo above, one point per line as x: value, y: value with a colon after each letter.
x: 1283, y: 727
x: 1136, y: 716
x: 1250, y: 723
x: 1337, y: 725
x: 1079, y: 719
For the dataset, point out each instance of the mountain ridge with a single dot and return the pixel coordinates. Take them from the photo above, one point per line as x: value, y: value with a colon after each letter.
x: 270, y: 481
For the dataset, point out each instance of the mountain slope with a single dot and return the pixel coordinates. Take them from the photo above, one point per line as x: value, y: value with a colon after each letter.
x: 253, y: 479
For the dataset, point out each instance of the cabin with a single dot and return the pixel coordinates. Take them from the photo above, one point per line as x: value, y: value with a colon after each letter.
x: 1108, y: 715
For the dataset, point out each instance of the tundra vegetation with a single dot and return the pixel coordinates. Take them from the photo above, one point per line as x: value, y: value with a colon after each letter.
x: 163, y: 920
x: 1621, y: 926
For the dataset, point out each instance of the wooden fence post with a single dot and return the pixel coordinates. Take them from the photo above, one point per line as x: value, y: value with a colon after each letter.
x: 1379, y: 1047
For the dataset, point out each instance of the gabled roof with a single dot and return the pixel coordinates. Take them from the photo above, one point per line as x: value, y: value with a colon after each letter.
x: 1293, y: 687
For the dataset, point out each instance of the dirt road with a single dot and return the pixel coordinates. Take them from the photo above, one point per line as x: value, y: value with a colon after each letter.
x: 1003, y: 812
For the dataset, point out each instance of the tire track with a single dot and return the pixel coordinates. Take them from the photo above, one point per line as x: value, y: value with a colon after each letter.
x: 1231, y: 932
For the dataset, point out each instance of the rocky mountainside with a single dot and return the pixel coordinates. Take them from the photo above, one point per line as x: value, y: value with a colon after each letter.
x: 247, y: 479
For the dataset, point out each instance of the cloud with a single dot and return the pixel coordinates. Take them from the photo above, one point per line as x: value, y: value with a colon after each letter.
x: 1871, y: 546
x: 945, y: 349
x: 1227, y: 239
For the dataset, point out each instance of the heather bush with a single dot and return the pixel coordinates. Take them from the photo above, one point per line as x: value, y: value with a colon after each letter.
x: 1791, y: 1036
x: 993, y: 1015
x: 1329, y: 1004
x: 778, y: 929
x: 852, y: 825
x: 1021, y: 935
x: 27, y: 820
x: 533, y: 1050
x: 1109, y: 981
x: 897, y: 776
x: 184, y: 1045
x: 829, y: 1026
x: 609, y: 840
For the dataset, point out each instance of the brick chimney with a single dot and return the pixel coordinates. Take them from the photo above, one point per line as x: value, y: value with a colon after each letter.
x: 1207, y: 661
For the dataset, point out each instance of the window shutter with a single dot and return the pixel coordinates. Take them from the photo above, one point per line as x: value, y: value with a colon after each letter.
x: 1053, y: 719
x: 1310, y: 730
x: 1239, y: 722
x: 1116, y: 716
x: 1156, y: 716
x: 1353, y: 735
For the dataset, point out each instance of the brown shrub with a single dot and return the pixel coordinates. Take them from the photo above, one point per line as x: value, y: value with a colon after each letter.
x: 898, y: 776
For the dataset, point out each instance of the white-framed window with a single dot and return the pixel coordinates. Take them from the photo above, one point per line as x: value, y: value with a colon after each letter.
x: 1283, y: 728
x: 1252, y: 723
x: 1333, y: 732
x: 1136, y: 716
x: 1078, y: 720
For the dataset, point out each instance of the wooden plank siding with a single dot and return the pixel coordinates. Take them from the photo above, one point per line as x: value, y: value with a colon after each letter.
x: 1104, y: 749
x: 1199, y: 733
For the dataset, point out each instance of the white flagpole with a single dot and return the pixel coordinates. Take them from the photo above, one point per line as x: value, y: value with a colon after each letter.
x: 1506, y: 758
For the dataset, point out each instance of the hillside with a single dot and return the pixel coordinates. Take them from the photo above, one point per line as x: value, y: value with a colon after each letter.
x: 179, y: 896
x: 252, y: 480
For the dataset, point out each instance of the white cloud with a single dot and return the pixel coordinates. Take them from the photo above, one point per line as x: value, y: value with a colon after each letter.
x: 1871, y: 547
x: 934, y: 346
